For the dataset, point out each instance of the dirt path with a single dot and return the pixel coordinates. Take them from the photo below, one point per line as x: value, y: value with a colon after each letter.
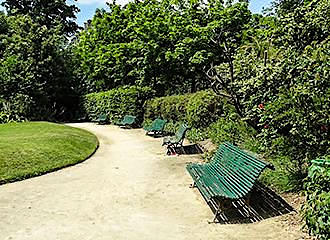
x: 128, y: 190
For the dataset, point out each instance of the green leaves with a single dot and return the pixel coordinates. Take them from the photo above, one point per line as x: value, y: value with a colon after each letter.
x: 198, y: 110
x: 35, y: 63
x: 162, y: 44
x: 316, y: 211
x: 51, y: 14
x: 116, y: 103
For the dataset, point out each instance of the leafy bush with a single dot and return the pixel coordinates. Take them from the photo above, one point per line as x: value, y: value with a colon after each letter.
x: 198, y: 110
x: 172, y: 127
x: 278, y: 82
x: 196, y: 134
x: 4, y: 117
x: 16, y: 108
x: 230, y: 127
x: 316, y: 211
x: 116, y: 103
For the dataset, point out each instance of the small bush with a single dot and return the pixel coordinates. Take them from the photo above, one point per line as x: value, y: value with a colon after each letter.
x: 316, y: 211
x: 230, y: 127
x: 172, y: 127
x: 4, y: 117
x: 116, y: 103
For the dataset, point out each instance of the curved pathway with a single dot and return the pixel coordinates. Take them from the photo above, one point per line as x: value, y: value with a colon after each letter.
x: 128, y: 190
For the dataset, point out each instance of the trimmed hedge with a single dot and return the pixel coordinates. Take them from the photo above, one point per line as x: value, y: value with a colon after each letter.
x: 116, y: 103
x: 198, y: 110
x: 316, y: 211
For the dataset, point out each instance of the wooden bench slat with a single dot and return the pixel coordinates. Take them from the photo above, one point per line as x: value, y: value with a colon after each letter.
x: 208, y: 179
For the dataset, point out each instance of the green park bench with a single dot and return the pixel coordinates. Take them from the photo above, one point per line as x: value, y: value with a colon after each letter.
x: 176, y: 140
x: 102, y: 119
x: 156, y: 128
x: 229, y: 177
x: 128, y: 120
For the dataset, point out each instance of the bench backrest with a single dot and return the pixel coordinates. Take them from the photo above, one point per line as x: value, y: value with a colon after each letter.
x: 180, y: 134
x: 102, y: 117
x: 158, y: 124
x: 238, y: 169
x: 129, y: 119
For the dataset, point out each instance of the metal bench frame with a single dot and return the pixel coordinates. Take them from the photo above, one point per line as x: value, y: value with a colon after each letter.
x: 102, y: 119
x: 229, y: 177
x: 157, y: 127
x: 177, y: 140
x: 128, y: 120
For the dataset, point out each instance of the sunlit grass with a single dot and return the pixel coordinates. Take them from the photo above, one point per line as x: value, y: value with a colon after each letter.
x: 34, y: 148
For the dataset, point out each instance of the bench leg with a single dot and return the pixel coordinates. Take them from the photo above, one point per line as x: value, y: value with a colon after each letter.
x: 217, y: 212
x: 170, y: 150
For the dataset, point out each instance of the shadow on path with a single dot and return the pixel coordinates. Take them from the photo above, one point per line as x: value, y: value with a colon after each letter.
x: 188, y: 150
x: 264, y: 203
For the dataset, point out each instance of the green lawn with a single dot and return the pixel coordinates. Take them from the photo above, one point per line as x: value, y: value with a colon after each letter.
x: 34, y: 148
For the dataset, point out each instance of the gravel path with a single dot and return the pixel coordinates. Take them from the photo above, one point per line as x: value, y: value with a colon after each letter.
x: 128, y: 190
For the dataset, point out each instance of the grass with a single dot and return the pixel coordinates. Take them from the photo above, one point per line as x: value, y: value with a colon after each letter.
x: 35, y: 148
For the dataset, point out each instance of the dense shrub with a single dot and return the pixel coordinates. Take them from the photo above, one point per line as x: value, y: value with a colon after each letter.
x: 295, y: 120
x: 16, y: 108
x: 4, y: 117
x: 316, y: 211
x: 198, y: 110
x: 116, y: 103
x: 230, y: 127
x: 279, y: 84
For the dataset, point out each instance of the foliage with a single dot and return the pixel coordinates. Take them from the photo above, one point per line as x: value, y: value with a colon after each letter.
x: 198, y: 110
x: 17, y: 108
x: 278, y: 83
x: 51, y: 13
x: 197, y: 134
x: 161, y: 44
x: 31, y: 149
x: 230, y: 127
x: 4, y: 117
x: 116, y: 103
x: 34, y: 63
x: 316, y: 211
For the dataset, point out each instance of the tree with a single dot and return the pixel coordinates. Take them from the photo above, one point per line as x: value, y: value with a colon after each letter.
x: 227, y: 37
x: 35, y: 64
x: 162, y: 44
x: 49, y: 13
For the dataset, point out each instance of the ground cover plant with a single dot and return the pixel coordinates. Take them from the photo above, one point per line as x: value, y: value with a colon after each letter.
x: 33, y: 148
